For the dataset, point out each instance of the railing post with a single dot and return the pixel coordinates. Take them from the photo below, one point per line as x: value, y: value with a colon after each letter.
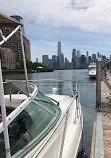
x: 98, y: 83
x: 24, y: 61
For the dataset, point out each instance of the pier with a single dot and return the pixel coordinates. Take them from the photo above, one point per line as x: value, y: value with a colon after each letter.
x: 101, y: 138
x: 106, y: 116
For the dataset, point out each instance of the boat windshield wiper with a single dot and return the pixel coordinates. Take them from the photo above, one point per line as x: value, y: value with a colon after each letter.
x: 54, y: 101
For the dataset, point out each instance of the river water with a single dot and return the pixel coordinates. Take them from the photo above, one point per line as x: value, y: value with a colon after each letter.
x: 87, y: 89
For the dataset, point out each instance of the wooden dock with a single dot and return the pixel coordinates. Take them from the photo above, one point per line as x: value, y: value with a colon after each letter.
x: 106, y: 116
x: 101, y: 140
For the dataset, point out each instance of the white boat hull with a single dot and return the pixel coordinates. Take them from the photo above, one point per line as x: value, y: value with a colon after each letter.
x: 92, y: 70
x: 51, y: 145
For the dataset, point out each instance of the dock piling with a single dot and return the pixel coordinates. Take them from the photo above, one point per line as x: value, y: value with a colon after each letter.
x: 98, y: 83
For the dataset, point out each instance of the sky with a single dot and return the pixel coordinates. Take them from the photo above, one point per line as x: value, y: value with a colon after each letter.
x: 79, y: 24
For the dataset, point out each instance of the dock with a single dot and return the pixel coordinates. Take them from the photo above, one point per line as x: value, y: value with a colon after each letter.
x: 106, y: 116
x: 101, y: 138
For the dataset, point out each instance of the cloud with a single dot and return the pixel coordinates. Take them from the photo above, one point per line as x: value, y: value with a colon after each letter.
x: 80, y: 24
x: 90, y: 15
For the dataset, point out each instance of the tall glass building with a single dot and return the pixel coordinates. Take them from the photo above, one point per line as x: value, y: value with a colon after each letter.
x: 74, y: 55
x: 59, y: 55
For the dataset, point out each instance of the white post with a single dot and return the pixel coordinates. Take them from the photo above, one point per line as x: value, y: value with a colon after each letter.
x: 24, y: 60
x: 3, y: 110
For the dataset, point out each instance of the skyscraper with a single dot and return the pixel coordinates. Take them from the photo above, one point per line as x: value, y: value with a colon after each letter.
x: 62, y: 61
x: 98, y: 54
x: 45, y: 59
x: 54, y: 61
x: 73, y: 55
x: 59, y: 55
x: 94, y: 57
x: 78, y: 53
x: 87, y: 57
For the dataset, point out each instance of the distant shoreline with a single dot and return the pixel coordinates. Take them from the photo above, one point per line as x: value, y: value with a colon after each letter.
x: 22, y: 71
x: 30, y: 71
x: 12, y: 71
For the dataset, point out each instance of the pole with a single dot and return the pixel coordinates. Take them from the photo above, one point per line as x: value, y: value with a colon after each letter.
x: 24, y: 61
x: 98, y: 83
x: 3, y: 111
x: 2, y: 100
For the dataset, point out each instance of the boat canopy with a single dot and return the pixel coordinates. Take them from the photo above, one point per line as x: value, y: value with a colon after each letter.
x: 7, y: 21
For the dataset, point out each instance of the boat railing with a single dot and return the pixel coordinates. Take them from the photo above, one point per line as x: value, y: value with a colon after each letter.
x: 63, y: 87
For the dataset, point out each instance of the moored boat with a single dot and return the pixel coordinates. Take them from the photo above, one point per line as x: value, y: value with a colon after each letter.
x: 37, y: 125
x: 92, y: 70
x: 42, y: 125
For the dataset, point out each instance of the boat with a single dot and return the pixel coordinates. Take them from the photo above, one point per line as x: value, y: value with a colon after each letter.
x: 92, y: 70
x: 37, y: 125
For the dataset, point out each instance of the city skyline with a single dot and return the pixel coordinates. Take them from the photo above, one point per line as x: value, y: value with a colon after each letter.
x: 84, y: 25
x: 74, y: 52
x: 78, y: 61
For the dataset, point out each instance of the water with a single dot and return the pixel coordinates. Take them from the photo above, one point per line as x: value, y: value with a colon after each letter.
x: 88, y: 96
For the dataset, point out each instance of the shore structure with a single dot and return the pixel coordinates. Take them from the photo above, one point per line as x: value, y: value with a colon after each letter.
x: 101, y: 138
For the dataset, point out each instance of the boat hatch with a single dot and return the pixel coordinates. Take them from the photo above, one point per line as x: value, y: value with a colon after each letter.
x: 31, y: 125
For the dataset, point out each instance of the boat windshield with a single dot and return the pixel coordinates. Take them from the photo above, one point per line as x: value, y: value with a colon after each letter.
x: 21, y: 86
x: 31, y: 125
